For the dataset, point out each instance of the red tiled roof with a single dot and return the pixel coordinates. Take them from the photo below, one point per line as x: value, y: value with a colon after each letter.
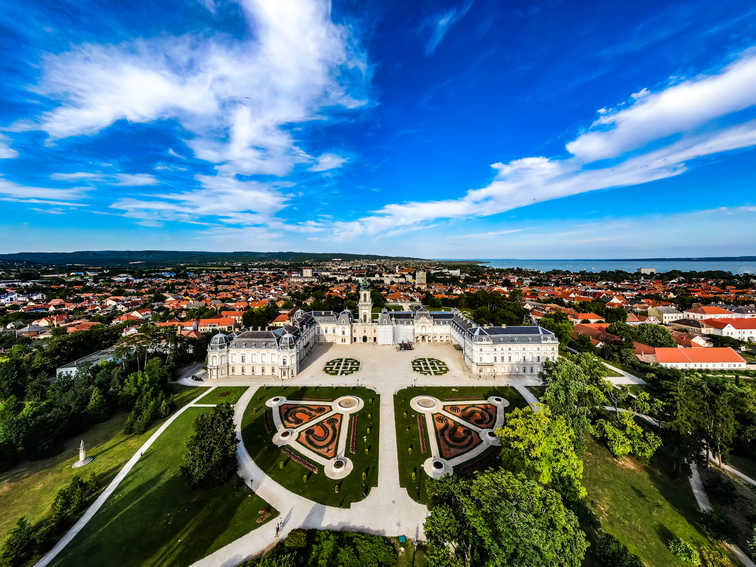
x: 697, y: 355
x: 721, y: 323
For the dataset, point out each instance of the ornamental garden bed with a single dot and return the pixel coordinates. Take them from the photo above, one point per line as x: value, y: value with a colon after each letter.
x: 412, y: 433
x: 341, y: 366
x: 430, y: 366
x: 289, y: 467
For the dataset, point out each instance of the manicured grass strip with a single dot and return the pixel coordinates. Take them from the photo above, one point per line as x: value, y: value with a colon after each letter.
x: 537, y: 391
x: 154, y: 518
x: 29, y: 488
x: 224, y: 395
x: 409, y: 449
x: 611, y: 373
x: 640, y: 505
x: 317, y: 487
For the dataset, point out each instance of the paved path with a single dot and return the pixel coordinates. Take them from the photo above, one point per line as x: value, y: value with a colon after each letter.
x: 696, y: 484
x: 528, y: 395
x: 733, y: 471
x: 97, y: 504
x: 387, y: 510
x: 704, y: 504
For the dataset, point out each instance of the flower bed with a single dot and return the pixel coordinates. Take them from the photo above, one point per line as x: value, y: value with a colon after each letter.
x: 268, y: 421
x: 297, y: 458
x: 353, y: 439
x: 421, y: 433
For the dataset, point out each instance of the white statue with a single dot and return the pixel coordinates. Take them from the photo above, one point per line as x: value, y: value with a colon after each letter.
x: 83, y: 459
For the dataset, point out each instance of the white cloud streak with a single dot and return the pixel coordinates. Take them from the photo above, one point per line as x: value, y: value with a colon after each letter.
x: 652, y: 116
x: 135, y: 179
x: 6, y: 152
x: 328, y: 161
x: 442, y: 23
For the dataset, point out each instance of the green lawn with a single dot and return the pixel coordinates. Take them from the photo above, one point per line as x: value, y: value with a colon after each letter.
x: 317, y: 487
x: 537, y: 391
x: 640, y: 505
x: 30, y: 488
x: 154, y: 518
x: 224, y: 394
x: 610, y: 372
x: 407, y: 434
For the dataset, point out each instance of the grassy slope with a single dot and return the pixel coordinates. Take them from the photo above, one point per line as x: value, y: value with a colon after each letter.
x: 318, y: 487
x: 224, y: 394
x: 407, y: 433
x: 745, y: 464
x: 30, y: 488
x: 640, y: 505
x: 154, y: 518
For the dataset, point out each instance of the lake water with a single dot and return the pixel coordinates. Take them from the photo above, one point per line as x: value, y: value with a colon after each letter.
x: 734, y: 265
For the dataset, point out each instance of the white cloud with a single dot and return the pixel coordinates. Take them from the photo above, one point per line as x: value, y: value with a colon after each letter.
x: 238, y: 98
x: 530, y: 180
x: 328, y: 161
x: 220, y: 197
x: 77, y: 176
x: 678, y: 109
x: 6, y: 152
x: 10, y: 191
x: 442, y: 23
x: 135, y: 179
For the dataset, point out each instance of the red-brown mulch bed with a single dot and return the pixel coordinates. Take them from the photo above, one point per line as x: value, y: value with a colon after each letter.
x: 294, y: 415
x: 480, y: 415
x: 454, y: 438
x: 323, y: 437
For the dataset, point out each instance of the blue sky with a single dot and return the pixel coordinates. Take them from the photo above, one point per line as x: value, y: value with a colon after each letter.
x: 460, y: 129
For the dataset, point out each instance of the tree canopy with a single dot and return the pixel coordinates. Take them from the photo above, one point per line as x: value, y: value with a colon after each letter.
x: 499, y: 518
x: 210, y: 457
x: 542, y: 447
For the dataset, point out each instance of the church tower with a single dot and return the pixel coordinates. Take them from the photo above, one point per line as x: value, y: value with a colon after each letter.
x: 365, y: 306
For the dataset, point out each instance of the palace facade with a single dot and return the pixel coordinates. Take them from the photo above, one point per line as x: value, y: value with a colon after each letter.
x: 487, y: 351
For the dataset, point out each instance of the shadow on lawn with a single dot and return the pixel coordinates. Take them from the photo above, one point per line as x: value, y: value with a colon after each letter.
x: 164, y: 522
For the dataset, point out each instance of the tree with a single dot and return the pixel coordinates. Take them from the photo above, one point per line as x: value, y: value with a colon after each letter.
x: 559, y: 324
x: 210, y: 457
x: 499, y: 518
x: 19, y: 545
x: 97, y: 409
x: 621, y: 431
x: 574, y: 391
x: 543, y: 448
x: 705, y: 413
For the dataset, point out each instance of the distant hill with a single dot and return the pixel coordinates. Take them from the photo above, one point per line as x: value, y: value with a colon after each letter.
x: 174, y: 257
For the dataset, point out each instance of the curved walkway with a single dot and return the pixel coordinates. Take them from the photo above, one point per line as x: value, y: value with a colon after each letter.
x: 387, y: 510
x: 97, y: 504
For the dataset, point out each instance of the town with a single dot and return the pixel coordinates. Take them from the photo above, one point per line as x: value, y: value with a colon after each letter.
x: 308, y: 353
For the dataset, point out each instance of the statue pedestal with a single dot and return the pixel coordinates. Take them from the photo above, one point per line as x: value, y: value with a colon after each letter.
x: 78, y: 464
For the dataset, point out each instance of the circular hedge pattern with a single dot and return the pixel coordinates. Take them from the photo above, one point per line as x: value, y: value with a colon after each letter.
x: 341, y: 366
x: 430, y: 366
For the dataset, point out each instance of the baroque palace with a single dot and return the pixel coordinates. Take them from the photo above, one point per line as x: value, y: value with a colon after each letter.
x: 486, y: 351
